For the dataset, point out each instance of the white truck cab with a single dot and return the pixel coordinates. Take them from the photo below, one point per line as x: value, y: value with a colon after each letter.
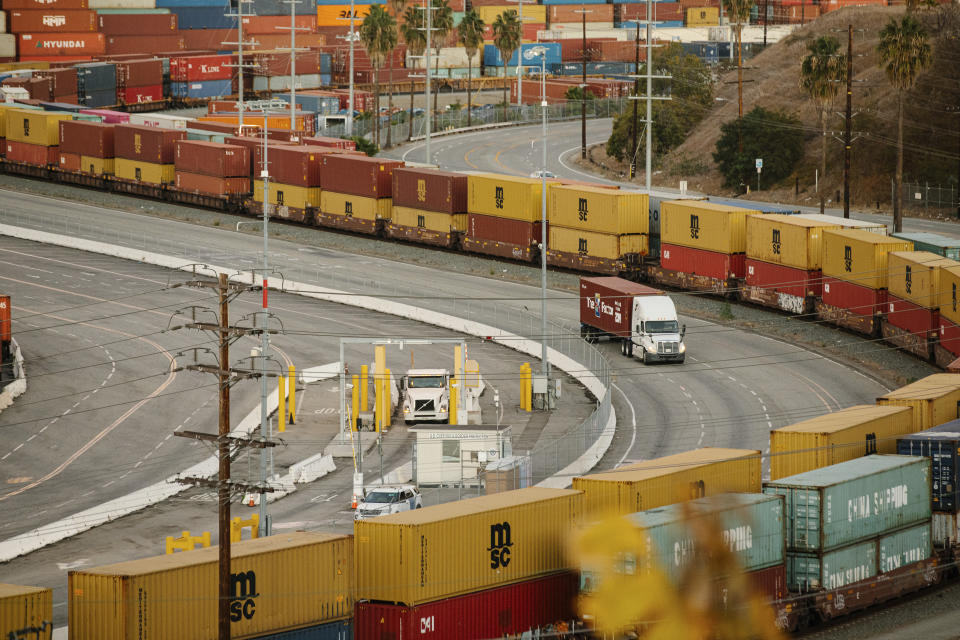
x: 656, y: 333
x: 380, y: 501
x: 426, y: 395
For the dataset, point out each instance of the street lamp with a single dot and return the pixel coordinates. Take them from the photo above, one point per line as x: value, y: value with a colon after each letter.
x: 544, y: 363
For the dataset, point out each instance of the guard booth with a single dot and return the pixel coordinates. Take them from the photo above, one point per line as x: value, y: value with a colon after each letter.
x: 457, y: 455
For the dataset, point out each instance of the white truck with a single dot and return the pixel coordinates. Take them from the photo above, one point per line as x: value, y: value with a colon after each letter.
x: 643, y: 319
x: 426, y: 395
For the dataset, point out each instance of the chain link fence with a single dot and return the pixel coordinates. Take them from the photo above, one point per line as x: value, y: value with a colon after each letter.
x: 931, y: 198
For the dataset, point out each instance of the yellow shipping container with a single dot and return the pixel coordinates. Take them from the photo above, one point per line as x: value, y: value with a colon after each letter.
x: 859, y: 257
x: 598, y: 209
x: 432, y: 220
x: 836, y: 437
x: 344, y: 204
x: 23, y: 607
x: 531, y: 12
x: 35, y: 127
x: 671, y: 479
x: 280, y: 582
x: 934, y: 400
x: 5, y: 108
x: 338, y: 15
x: 289, y: 195
x: 148, y: 172
x: 704, y: 225
x: 462, y: 547
x: 787, y: 240
x: 950, y: 294
x: 915, y: 276
x: 600, y: 245
x: 492, y: 194
x: 97, y: 165
x: 702, y: 17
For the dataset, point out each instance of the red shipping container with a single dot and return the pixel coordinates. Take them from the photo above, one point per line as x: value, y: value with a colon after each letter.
x: 280, y: 40
x: 148, y: 144
x: 662, y: 11
x: 61, y: 44
x: 145, y: 44
x: 854, y: 298
x: 6, y: 331
x: 86, y: 138
x: 140, y: 24
x: 139, y: 73
x: 358, y: 175
x: 211, y: 185
x: 700, y: 262
x: 949, y: 336
x: 565, y: 13
x: 294, y: 164
x: 277, y: 63
x: 278, y: 25
x: 201, y: 68
x: 333, y: 143
x: 51, y: 20
x: 63, y: 81
x: 530, y: 31
x: 430, y: 190
x: 910, y: 316
x: 140, y: 95
x: 494, y: 613
x: 209, y: 39
x: 770, y: 583
x: 212, y: 158
x: 70, y: 161
x: 45, y: 5
x: 787, y: 280
x: 607, y: 303
x: 490, y: 235
x: 35, y: 154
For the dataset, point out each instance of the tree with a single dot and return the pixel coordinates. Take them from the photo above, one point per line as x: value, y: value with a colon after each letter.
x: 821, y: 73
x: 507, y: 35
x: 378, y: 32
x: 470, y: 35
x: 577, y: 94
x: 905, y: 52
x: 442, y: 25
x: 738, y: 12
x: 775, y: 136
x: 416, y: 39
x: 397, y: 6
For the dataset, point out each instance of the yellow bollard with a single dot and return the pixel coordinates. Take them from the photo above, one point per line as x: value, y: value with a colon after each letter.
x: 355, y: 403
x: 292, y: 381
x: 387, y: 398
x: 282, y: 407
x: 380, y: 365
x: 456, y: 360
x: 454, y: 399
x: 238, y: 524
x: 363, y: 388
x: 526, y: 387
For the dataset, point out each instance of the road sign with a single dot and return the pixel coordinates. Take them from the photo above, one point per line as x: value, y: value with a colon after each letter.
x: 759, y: 163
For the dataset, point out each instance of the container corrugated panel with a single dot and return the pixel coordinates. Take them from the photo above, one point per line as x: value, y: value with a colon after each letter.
x: 598, y: 210
x: 946, y: 528
x: 35, y: 127
x: 601, y: 245
x: 22, y: 607
x: 462, y: 547
x: 149, y: 172
x: 783, y: 239
x: 358, y: 175
x: 670, y: 479
x: 859, y: 256
x: 503, y: 196
x: 430, y: 190
x: 836, y: 437
x: 289, y: 195
x: 949, y: 294
x: 915, y: 276
x: 934, y: 400
x: 834, y: 569
x: 432, y: 220
x: 280, y: 582
x: 212, y: 158
x: 854, y: 500
x: 86, y: 138
x: 704, y: 225
x: 942, y: 445
x: 345, y: 204
x: 904, y: 547
x: 944, y: 246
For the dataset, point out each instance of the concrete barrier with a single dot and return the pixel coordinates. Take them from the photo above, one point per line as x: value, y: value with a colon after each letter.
x: 19, y: 386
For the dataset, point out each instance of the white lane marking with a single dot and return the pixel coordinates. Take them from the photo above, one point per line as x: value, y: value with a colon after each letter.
x: 633, y: 421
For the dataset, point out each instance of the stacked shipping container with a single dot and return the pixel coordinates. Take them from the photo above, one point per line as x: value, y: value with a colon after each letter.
x: 913, y: 300
x: 33, y: 137
x: 504, y: 215
x: 429, y: 206
x: 942, y: 445
x: 934, y: 400
x: 295, y: 174
x: 356, y: 191
x: 23, y: 608
x: 211, y: 168
x: 146, y: 154
x: 948, y: 343
x: 86, y: 147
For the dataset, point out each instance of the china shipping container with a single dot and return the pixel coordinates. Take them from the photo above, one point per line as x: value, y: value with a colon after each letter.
x: 606, y: 303
x: 288, y: 195
x: 280, y: 582
x: 670, y: 479
x: 703, y: 225
x: 358, y: 175
x: 836, y: 437
x: 34, y: 154
x: 23, y: 607
x: 944, y: 246
x: 598, y: 209
x: 429, y: 189
x: 212, y: 159
x: 447, y: 550
x: 859, y: 257
x: 502, y: 196
x: 505, y: 237
x: 136, y: 24
x: 934, y: 400
x: 942, y: 445
x: 211, y: 185
x: 351, y: 206
x: 62, y: 44
x: 147, y: 172
x: 149, y: 144
x: 701, y: 262
x: 785, y: 240
x: 915, y: 276
x: 5, y: 318
x: 51, y: 21
x: 854, y: 500
x: 35, y: 127
x: 492, y: 613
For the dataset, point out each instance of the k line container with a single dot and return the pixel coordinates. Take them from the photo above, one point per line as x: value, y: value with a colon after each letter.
x: 915, y: 276
x: 23, y: 607
x: 502, y: 196
x: 670, y: 479
x: 942, y: 445
x: 280, y: 582
x: 358, y: 175
x: 430, y: 190
x: 345, y: 204
x: 86, y: 138
x: 212, y: 159
x: 288, y: 195
x: 852, y: 501
x: 784, y: 240
x: 934, y: 400
x: 598, y: 210
x: 148, y: 144
x: 35, y: 127
x: 859, y: 257
x: 703, y: 225
x: 836, y: 437
x: 447, y: 550
x: 148, y: 172
x: 944, y: 246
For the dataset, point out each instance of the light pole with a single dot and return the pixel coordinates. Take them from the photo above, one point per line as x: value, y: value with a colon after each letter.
x: 544, y: 363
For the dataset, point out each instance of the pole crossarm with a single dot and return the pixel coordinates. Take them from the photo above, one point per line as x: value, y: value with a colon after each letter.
x: 213, y: 437
x: 233, y: 487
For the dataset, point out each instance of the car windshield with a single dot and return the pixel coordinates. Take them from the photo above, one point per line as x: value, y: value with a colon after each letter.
x: 382, y: 497
x: 662, y: 326
x: 426, y: 382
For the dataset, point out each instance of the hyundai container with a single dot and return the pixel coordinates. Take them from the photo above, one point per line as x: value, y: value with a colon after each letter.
x: 431, y: 190
x: 23, y: 607
x: 934, y: 400
x: 62, y: 44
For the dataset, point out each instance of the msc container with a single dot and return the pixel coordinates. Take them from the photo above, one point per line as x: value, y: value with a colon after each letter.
x: 288, y: 195
x: 462, y: 547
x: 97, y: 166
x: 23, y: 607
x: 703, y: 225
x: 598, y: 209
x: 904, y: 547
x: 279, y: 583
x: 594, y: 252
x: 55, y: 21
x: 35, y: 127
x: 345, y: 204
x: 147, y: 144
x: 429, y: 189
x: 915, y: 276
x: 832, y: 569
x: 606, y: 303
x: 148, y: 172
x: 836, y: 437
x: 505, y: 611
x: 934, y: 399
x: 358, y: 175
x: 949, y: 297
x: 785, y: 240
x: 851, y: 501
x: 212, y: 159
x: 942, y: 445
x: 670, y: 479
x: 859, y: 256
x: 943, y: 246
x: 503, y: 196
x: 211, y: 185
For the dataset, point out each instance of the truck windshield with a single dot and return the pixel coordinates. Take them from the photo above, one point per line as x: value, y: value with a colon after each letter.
x: 427, y: 382
x: 662, y: 326
x: 381, y: 497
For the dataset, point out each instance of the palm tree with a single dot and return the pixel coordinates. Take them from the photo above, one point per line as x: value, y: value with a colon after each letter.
x: 442, y: 25
x: 738, y: 12
x: 904, y: 51
x: 507, y: 35
x: 378, y: 32
x: 416, y: 39
x: 821, y: 73
x: 470, y: 35
x: 397, y: 6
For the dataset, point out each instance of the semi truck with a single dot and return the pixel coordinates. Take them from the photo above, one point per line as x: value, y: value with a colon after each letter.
x: 643, y: 319
x: 426, y: 395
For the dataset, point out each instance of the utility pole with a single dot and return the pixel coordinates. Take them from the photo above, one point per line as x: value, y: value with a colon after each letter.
x: 240, y: 66
x: 649, y: 97
x: 764, y: 24
x: 636, y: 92
x: 583, y: 86
x: 847, y: 142
x: 293, y: 64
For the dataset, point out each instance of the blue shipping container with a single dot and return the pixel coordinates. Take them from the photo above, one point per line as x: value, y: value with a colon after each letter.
x: 342, y: 630
x: 61, y: 106
x: 670, y: 24
x: 96, y: 76
x: 492, y: 58
x: 193, y: 3
x: 765, y: 207
x: 207, y: 89
x: 574, y: 2
x: 942, y: 445
x: 281, y: 8
x: 99, y: 99
x: 324, y: 105
x: 203, y: 18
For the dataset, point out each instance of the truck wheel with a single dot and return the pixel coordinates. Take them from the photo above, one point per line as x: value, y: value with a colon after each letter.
x: 646, y: 358
x: 628, y: 348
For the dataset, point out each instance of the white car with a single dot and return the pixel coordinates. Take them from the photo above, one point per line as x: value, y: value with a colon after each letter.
x: 381, y: 501
x: 543, y: 174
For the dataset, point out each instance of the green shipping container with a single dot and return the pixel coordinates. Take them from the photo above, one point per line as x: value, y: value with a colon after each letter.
x: 856, y: 500
x: 833, y: 569
x: 905, y: 547
x: 934, y: 243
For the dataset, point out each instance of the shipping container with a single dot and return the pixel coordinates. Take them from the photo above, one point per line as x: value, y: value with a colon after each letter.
x: 204, y: 89
x: 429, y: 220
x: 607, y: 303
x: 64, y: 81
x: 212, y: 159
x: 703, y: 225
x: 781, y: 287
x: 61, y: 44
x: 948, y: 343
x: 531, y: 12
x: 832, y: 569
x: 97, y: 166
x: 23, y: 607
x: 594, y: 252
x: 942, y: 445
x: 339, y: 630
x: 945, y: 527
x: 915, y: 276
x: 147, y: 172
x: 859, y: 256
x: 934, y: 400
x: 34, y: 127
x: 279, y: 583
x: 146, y: 143
x: 429, y: 189
x: 504, y: 196
x: 338, y: 15
x: 52, y: 21
x: 854, y: 298
x: 905, y: 547
x: 288, y: 195
x: 140, y: 95
x: 211, y: 185
x: 700, y: 262
x: 670, y: 479
x: 786, y: 240
x: 358, y: 175
x: 59, y: 5
x: 201, y: 68
x: 504, y: 237
x: 568, y: 13
x: 943, y: 246
x: 702, y: 17
x: 136, y: 24
x: 34, y: 154
x: 598, y: 209
x: 5, y: 318
x: 492, y: 58
x: 293, y: 164
x: 462, y: 547
x: 69, y: 161
x: 351, y: 206
x: 949, y: 282
x: 854, y: 500
x: 836, y: 437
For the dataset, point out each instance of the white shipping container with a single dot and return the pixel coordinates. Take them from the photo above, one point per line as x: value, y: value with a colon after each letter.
x: 8, y: 45
x: 159, y: 120
x: 122, y: 4
x: 450, y: 57
x: 282, y: 83
x: 12, y: 94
